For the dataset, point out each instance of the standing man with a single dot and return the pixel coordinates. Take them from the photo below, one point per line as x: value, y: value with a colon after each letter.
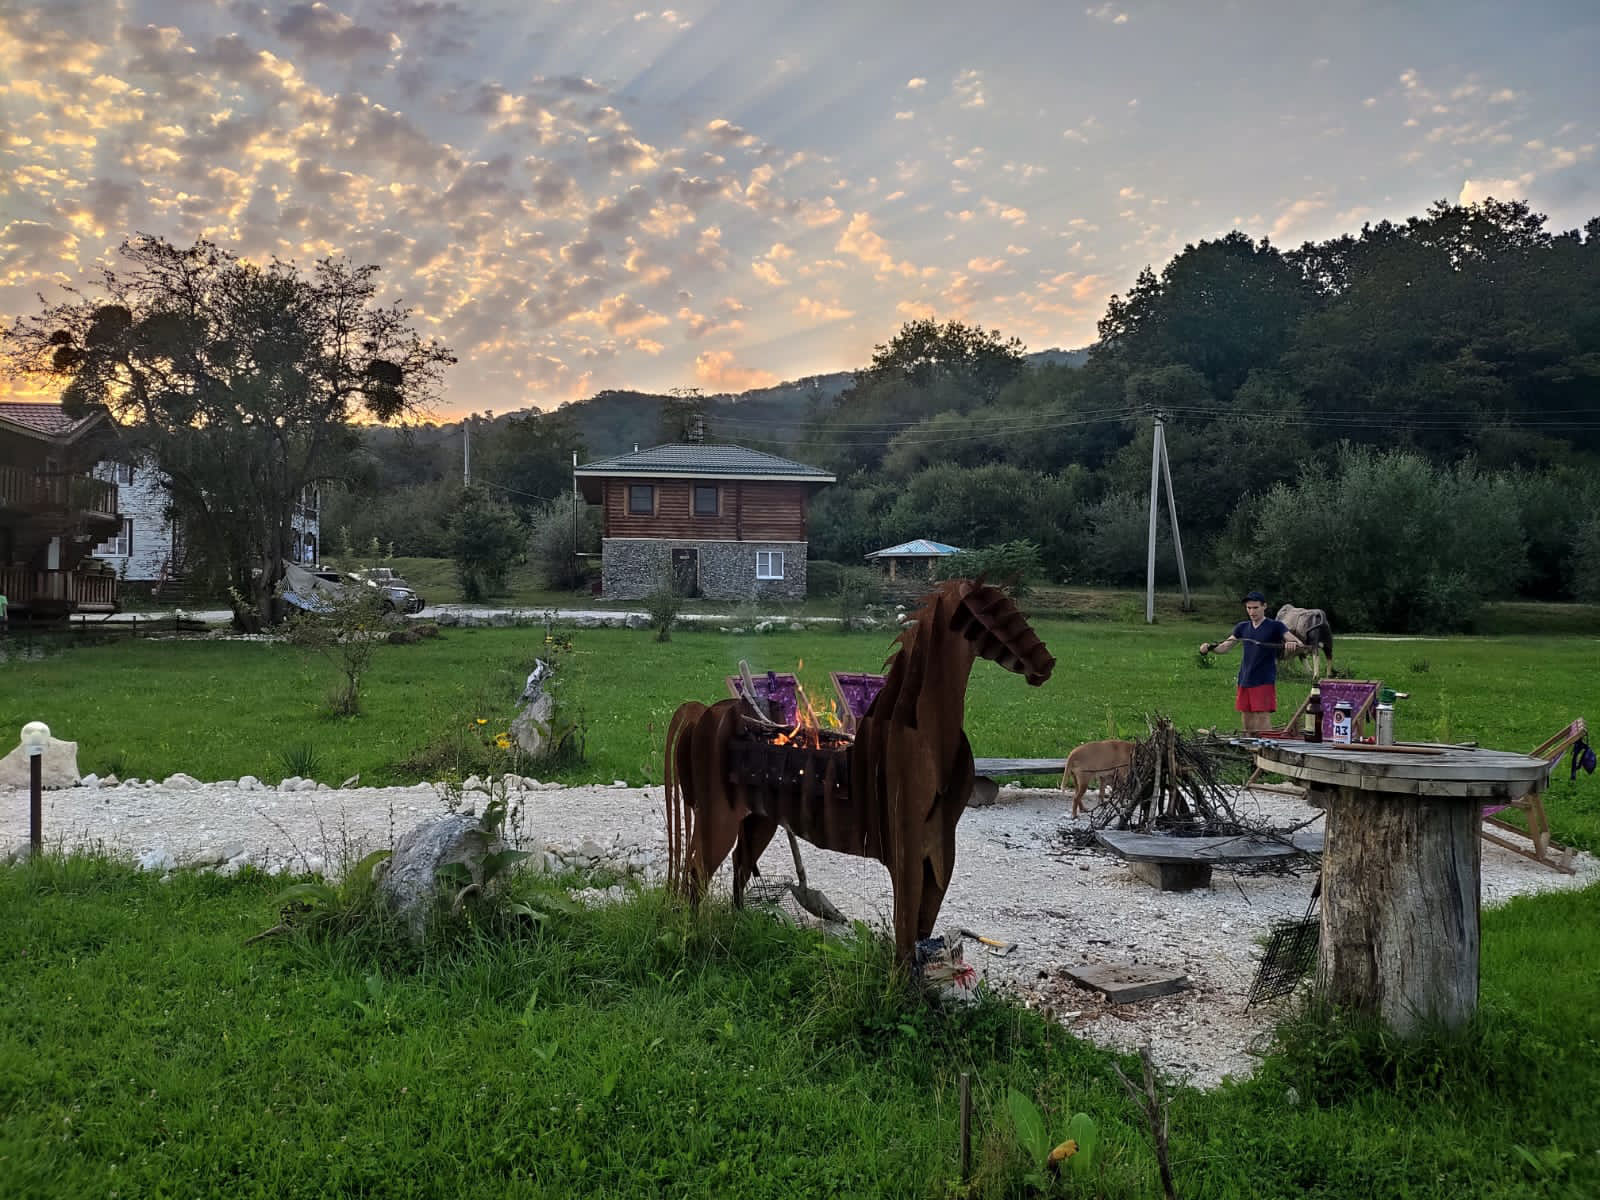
x: 1261, y: 637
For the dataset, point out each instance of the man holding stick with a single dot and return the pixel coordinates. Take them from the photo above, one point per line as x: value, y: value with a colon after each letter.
x: 1263, y: 639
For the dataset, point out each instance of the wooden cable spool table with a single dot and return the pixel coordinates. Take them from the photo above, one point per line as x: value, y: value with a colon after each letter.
x: 1400, y: 870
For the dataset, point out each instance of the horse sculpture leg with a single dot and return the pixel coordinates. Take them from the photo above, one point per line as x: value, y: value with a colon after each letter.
x: 755, y: 834
x: 913, y: 796
x: 716, y: 818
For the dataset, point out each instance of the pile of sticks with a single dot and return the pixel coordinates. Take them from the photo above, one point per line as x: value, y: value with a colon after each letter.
x: 1174, y: 785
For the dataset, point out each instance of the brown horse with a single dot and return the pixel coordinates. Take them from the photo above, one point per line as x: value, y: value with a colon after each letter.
x: 894, y: 794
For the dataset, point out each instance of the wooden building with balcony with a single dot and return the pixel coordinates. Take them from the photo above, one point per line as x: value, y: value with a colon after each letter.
x: 53, y: 511
x: 720, y: 521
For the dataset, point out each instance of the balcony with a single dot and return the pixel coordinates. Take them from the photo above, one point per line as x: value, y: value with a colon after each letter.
x: 26, y: 490
x: 57, y: 593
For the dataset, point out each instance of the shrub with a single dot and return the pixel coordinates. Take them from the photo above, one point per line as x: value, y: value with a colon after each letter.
x: 552, y: 546
x: 854, y: 588
x: 1382, y: 541
x: 1010, y: 565
x: 1586, y: 562
x: 486, y: 539
x: 346, y: 632
x: 663, y: 606
x: 1115, y: 546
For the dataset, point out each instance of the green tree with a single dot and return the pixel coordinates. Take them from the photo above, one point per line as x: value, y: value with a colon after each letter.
x: 240, y: 381
x: 1383, y: 541
x: 527, y: 459
x: 486, y: 541
x: 1222, y: 308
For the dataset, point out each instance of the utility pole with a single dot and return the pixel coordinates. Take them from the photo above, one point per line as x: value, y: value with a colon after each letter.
x: 1161, y: 468
x: 466, y: 451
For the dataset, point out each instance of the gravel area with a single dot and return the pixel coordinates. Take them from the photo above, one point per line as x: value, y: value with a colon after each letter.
x: 1019, y: 878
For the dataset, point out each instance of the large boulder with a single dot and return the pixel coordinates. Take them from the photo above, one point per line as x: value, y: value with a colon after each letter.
x: 409, y: 885
x: 531, y: 726
x: 60, y: 768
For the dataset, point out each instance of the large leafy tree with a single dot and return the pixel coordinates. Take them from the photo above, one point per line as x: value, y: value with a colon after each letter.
x: 925, y: 369
x: 240, y: 381
x: 1220, y: 307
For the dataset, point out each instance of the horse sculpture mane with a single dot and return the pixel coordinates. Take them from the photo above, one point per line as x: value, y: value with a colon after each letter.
x: 894, y: 794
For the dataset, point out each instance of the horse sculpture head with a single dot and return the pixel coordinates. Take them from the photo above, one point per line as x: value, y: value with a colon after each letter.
x: 989, y: 619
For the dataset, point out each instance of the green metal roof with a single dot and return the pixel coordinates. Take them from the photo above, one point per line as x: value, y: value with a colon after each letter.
x: 699, y: 460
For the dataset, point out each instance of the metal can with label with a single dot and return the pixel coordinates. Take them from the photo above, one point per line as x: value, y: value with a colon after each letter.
x: 1385, y: 724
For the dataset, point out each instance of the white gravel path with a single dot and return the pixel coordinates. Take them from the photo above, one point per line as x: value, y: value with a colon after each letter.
x: 1016, y: 879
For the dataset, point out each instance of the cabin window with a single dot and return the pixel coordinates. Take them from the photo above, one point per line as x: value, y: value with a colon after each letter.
x: 120, y: 546
x: 769, y: 564
x: 642, y: 498
x: 705, y: 500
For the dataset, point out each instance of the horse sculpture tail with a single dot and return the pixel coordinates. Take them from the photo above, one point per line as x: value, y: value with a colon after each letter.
x: 680, y: 813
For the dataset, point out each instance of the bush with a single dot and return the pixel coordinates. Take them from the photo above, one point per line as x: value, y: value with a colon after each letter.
x: 854, y: 588
x: 1586, y: 562
x: 347, y: 633
x: 1382, y: 541
x: 1116, y: 546
x: 552, y: 547
x: 663, y: 606
x: 1010, y: 565
x: 486, y: 540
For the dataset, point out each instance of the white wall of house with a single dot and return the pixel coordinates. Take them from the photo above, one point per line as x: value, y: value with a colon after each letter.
x: 144, y: 547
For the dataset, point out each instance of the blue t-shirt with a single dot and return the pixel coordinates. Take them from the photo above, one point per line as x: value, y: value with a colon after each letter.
x: 1259, y: 645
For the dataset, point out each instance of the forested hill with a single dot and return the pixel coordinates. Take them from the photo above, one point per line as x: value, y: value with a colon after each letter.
x: 1393, y: 424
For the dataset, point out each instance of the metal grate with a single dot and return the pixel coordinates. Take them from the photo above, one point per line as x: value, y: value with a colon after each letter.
x: 1291, y: 952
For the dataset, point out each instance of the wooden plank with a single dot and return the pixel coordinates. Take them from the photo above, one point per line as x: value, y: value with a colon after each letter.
x: 1019, y: 766
x: 1123, y: 983
x: 1161, y: 848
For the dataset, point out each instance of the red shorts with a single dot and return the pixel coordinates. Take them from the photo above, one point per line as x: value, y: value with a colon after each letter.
x: 1261, y: 698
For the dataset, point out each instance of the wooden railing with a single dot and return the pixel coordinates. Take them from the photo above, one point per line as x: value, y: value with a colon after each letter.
x: 27, y: 587
x: 25, y: 488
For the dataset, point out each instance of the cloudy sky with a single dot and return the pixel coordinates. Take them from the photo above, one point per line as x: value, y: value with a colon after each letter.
x: 579, y: 194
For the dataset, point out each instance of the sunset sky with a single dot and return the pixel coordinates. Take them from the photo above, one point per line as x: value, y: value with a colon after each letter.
x: 583, y: 195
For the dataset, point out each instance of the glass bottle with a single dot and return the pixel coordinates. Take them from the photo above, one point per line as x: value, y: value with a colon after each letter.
x: 1311, y: 719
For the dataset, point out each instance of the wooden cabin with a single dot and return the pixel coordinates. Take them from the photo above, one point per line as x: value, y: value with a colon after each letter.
x: 719, y: 521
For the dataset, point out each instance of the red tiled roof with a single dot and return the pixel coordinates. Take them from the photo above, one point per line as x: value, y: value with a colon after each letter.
x: 44, y: 417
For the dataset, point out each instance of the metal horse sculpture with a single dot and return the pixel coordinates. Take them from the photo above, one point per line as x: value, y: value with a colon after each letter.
x: 894, y: 794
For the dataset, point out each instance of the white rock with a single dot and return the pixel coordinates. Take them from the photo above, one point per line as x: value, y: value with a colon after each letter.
x: 619, y: 783
x: 90, y: 780
x: 471, y: 783
x: 59, y: 768
x: 110, y: 781
x: 157, y: 859
x: 351, y: 782
x: 306, y: 785
x: 180, y: 782
x: 289, y: 784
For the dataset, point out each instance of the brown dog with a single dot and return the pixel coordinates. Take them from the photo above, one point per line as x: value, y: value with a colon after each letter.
x: 1094, y: 762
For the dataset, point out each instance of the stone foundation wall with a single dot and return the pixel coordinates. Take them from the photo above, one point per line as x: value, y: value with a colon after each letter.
x: 632, y: 568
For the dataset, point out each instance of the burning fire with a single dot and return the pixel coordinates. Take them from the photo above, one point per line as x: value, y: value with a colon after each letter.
x: 809, y: 724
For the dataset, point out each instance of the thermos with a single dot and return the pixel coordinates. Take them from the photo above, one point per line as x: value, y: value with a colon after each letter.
x: 1385, y: 721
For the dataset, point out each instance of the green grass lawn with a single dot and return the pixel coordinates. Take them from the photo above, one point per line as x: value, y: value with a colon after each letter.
x: 145, y: 1051
x: 223, y: 709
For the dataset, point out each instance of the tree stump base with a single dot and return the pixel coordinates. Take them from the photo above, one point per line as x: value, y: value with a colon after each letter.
x: 1400, y: 937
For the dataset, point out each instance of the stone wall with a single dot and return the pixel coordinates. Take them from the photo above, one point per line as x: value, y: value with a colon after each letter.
x: 632, y: 568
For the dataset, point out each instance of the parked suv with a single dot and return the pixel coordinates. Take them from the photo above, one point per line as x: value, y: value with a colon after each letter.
x: 397, y: 593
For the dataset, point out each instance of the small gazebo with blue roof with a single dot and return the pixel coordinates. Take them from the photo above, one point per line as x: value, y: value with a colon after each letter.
x: 915, y: 557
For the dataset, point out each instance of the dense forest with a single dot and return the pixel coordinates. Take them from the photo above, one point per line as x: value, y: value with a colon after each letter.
x: 1394, y: 424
